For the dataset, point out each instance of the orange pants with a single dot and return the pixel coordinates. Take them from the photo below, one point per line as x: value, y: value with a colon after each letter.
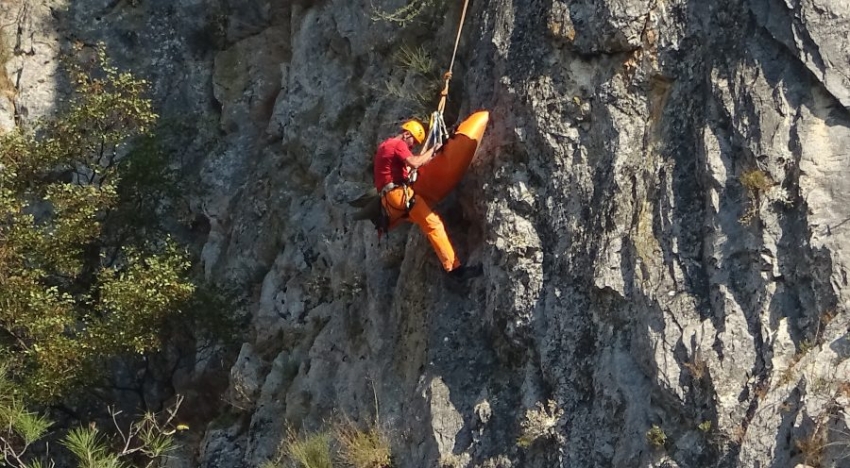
x: 428, y: 221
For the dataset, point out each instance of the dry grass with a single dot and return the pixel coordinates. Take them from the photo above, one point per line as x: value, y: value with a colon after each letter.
x: 827, y: 317
x: 756, y: 181
x: 306, y: 451
x: 413, y: 11
x: 738, y: 433
x: 452, y: 460
x: 760, y: 390
x: 790, y: 372
x: 812, y: 446
x: 343, y: 443
x: 696, y: 366
x: 787, y: 375
x: 540, y: 423
x: 360, y: 448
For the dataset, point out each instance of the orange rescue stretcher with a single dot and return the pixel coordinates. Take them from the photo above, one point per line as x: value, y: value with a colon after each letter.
x: 446, y: 169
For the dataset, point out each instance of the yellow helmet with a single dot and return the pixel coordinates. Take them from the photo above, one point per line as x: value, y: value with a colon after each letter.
x: 416, y: 129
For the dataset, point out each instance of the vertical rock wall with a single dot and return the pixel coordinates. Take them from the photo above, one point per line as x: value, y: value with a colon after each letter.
x: 660, y: 208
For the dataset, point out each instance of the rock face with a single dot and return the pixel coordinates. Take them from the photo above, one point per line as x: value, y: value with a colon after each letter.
x: 660, y: 207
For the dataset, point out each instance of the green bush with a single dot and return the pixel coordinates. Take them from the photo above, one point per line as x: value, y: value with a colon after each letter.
x: 84, y: 274
x: 418, y: 87
x: 656, y: 437
x: 146, y: 442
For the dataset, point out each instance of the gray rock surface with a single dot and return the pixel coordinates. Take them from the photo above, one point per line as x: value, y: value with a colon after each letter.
x: 660, y: 207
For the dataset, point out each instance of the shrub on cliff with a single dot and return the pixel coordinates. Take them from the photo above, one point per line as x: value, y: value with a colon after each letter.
x: 147, y: 441
x: 85, y: 275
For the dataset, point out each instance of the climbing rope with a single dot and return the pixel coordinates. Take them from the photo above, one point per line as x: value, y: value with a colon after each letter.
x: 448, y: 76
x: 437, y: 133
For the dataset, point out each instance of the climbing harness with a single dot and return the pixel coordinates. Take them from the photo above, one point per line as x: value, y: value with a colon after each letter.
x: 388, y: 187
x: 407, y: 201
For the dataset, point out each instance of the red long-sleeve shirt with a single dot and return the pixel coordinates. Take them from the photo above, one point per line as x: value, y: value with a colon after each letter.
x: 390, y: 163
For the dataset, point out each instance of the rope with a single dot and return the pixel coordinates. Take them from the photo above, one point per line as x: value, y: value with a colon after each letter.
x: 448, y: 76
x: 437, y: 132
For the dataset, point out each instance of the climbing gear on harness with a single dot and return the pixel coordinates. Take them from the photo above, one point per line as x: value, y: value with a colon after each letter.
x: 437, y: 132
x: 416, y: 129
x: 382, y: 224
x: 409, y: 200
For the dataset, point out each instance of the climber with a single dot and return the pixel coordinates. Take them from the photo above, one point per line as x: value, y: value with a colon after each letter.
x: 392, y: 160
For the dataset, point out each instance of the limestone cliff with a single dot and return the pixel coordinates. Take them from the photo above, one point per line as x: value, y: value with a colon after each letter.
x: 659, y: 206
